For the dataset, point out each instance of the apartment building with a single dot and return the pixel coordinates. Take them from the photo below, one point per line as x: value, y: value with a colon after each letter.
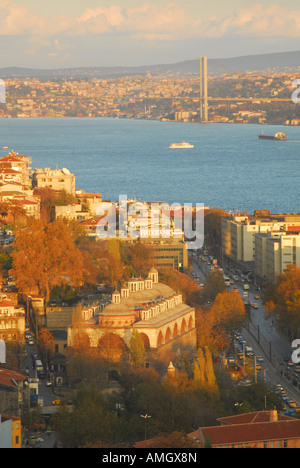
x: 14, y: 396
x: 12, y: 322
x: 274, y: 252
x: 261, y: 429
x: 10, y: 431
x: 238, y: 235
x: 15, y: 167
x: 270, y: 242
x: 56, y: 179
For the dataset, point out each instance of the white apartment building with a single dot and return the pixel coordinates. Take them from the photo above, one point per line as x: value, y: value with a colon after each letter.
x: 238, y: 236
x: 274, y: 252
x: 271, y: 242
x: 56, y: 179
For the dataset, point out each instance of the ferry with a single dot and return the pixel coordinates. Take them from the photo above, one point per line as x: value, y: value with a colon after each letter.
x: 184, y: 144
x: 277, y: 136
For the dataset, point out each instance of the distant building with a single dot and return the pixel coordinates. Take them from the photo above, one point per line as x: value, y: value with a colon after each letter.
x: 13, y: 392
x: 56, y: 179
x: 90, y: 201
x: 73, y: 211
x: 12, y: 322
x: 15, y: 168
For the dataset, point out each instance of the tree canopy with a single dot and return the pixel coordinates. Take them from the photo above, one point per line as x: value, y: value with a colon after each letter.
x: 45, y: 256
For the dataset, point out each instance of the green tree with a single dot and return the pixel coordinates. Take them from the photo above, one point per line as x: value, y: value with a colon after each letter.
x: 136, y: 349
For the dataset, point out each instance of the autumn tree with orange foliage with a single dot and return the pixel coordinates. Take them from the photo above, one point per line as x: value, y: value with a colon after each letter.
x: 45, y: 256
x: 46, y: 343
x: 282, y: 299
x: 140, y: 257
x: 209, y: 332
x: 229, y: 311
x: 178, y: 281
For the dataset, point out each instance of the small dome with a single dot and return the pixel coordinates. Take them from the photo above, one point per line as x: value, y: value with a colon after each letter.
x: 153, y: 270
x: 116, y: 309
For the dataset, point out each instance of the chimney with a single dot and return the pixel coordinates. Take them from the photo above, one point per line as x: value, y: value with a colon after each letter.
x: 273, y: 415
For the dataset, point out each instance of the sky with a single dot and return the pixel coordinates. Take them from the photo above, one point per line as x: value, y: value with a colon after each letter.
x: 96, y: 33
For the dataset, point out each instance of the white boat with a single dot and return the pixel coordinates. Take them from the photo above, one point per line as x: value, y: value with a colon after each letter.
x: 184, y: 144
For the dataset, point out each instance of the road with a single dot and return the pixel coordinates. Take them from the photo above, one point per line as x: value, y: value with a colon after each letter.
x: 261, y: 333
x: 45, y: 392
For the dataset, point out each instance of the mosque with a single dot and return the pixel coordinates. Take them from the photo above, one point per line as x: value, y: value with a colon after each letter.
x: 166, y: 325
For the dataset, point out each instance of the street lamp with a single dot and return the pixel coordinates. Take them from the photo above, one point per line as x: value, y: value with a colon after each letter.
x: 145, y: 416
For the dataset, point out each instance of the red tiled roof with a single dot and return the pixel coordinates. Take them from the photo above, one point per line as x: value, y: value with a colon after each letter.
x: 6, y: 304
x: 249, y: 432
x: 255, y: 417
x: 7, y: 377
x: 93, y: 221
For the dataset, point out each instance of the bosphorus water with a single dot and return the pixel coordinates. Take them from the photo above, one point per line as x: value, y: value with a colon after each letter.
x: 229, y: 166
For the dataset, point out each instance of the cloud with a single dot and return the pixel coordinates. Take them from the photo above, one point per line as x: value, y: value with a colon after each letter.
x: 163, y: 22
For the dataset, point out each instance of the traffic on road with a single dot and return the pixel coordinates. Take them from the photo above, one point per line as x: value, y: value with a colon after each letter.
x: 259, y: 346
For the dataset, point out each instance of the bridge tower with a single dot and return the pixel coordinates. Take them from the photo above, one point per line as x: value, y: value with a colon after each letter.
x: 203, y: 90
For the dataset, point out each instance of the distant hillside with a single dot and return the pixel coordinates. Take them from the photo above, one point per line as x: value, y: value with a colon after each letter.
x: 263, y: 62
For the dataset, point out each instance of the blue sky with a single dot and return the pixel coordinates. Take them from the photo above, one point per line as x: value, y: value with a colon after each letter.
x: 79, y: 33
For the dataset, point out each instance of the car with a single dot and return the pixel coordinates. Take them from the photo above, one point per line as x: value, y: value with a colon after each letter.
x: 56, y: 403
x: 259, y: 359
x: 255, y: 305
x: 30, y: 341
x: 291, y: 403
x: 256, y: 297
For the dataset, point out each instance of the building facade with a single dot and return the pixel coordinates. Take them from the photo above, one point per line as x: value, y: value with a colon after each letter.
x: 56, y: 179
x: 10, y: 431
x: 262, y: 429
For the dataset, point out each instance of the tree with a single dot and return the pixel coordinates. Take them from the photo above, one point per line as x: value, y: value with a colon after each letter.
x: 139, y: 257
x: 282, y: 298
x: 204, y: 373
x: 45, y: 256
x: 178, y: 281
x: 136, y: 349
x: 229, y: 311
x: 46, y: 343
x: 213, y: 285
x: 209, y: 332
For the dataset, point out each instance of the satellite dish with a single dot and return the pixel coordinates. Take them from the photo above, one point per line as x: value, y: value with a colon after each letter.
x: 2, y: 352
x: 66, y: 171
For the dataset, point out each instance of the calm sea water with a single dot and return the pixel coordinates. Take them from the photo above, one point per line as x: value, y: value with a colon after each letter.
x: 229, y: 166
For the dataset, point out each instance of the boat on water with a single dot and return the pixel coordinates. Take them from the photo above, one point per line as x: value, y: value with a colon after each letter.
x: 277, y: 136
x: 184, y: 144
